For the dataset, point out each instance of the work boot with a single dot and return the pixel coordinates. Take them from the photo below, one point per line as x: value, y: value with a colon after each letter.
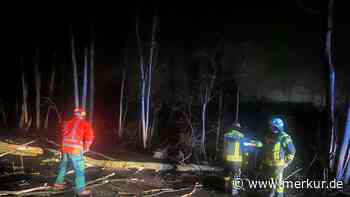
x: 57, y: 186
x: 279, y: 194
x: 234, y: 192
x: 86, y: 192
x: 227, y: 184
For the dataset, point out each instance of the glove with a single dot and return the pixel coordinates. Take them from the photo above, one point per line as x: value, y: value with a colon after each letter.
x: 288, y: 162
x: 87, y: 145
x: 259, y: 144
x: 86, y: 149
x: 280, y: 169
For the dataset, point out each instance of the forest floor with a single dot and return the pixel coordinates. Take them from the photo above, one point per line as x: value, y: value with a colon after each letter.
x: 124, y: 182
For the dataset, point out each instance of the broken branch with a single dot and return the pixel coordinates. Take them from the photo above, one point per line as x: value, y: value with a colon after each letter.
x: 19, y: 149
x: 100, y: 179
x: 20, y: 192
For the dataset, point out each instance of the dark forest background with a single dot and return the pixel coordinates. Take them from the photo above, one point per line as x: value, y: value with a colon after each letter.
x: 272, y: 50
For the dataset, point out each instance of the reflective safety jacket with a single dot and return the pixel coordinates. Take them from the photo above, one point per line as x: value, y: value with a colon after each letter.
x: 78, y: 136
x: 281, y: 151
x: 234, y: 146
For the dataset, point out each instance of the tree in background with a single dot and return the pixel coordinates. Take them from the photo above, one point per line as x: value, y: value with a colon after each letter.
x: 37, y: 89
x: 87, y: 52
x: 146, y: 81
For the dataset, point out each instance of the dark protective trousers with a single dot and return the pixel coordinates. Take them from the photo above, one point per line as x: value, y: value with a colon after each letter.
x: 233, y: 173
x: 276, y: 175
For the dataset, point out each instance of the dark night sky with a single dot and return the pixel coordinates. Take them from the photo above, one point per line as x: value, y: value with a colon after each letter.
x: 185, y: 24
x: 179, y: 21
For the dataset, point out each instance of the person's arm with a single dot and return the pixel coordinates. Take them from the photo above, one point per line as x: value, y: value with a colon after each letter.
x: 88, y: 138
x: 252, y: 143
x: 64, y: 128
x: 289, y: 149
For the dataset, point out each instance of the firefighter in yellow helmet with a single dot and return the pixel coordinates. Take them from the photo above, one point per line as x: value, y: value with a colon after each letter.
x: 233, y: 155
x: 279, y: 152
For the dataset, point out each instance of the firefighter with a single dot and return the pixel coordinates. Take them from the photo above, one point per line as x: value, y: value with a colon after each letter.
x: 77, y: 139
x: 279, y: 153
x: 235, y: 144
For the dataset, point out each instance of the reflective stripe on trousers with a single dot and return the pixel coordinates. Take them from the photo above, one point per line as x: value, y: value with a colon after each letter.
x: 277, y: 177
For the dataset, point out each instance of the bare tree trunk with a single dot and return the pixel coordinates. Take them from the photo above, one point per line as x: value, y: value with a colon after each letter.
x: 125, y: 111
x: 150, y: 70
x: 46, y: 124
x: 156, y: 111
x: 332, y: 93
x: 146, y: 81
x: 154, y: 126
x: 53, y: 76
x: 121, y: 106
x: 143, y: 87
x: 4, y: 116
x: 237, y: 105
x: 343, y: 170
x: 51, y: 87
x: 3, y: 113
x: 208, y: 95
x: 62, y: 82
x: 220, y: 113
x: 152, y: 129
x: 207, y: 98
x: 37, y: 88
x: 85, y: 78
x: 52, y: 81
x: 25, y: 118
x: 204, y: 111
x: 75, y: 71
x: 21, y: 118
x: 92, y: 80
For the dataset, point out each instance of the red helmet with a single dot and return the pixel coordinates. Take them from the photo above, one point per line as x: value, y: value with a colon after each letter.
x: 81, y: 111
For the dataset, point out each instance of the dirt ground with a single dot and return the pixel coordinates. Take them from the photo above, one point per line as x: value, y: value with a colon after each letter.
x: 124, y: 183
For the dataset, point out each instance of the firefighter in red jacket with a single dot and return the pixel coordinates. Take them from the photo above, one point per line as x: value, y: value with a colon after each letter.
x: 77, y: 138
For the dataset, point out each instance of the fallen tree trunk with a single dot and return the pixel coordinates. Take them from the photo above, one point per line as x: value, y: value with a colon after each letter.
x: 113, y: 165
x: 23, y: 150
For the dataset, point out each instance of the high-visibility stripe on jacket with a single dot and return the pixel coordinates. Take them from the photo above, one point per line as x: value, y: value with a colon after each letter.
x: 283, y: 151
x: 232, y: 147
x: 78, y: 135
x: 234, y: 153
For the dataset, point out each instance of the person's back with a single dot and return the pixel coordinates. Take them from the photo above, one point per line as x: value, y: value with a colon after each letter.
x: 235, y: 146
x: 232, y: 146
